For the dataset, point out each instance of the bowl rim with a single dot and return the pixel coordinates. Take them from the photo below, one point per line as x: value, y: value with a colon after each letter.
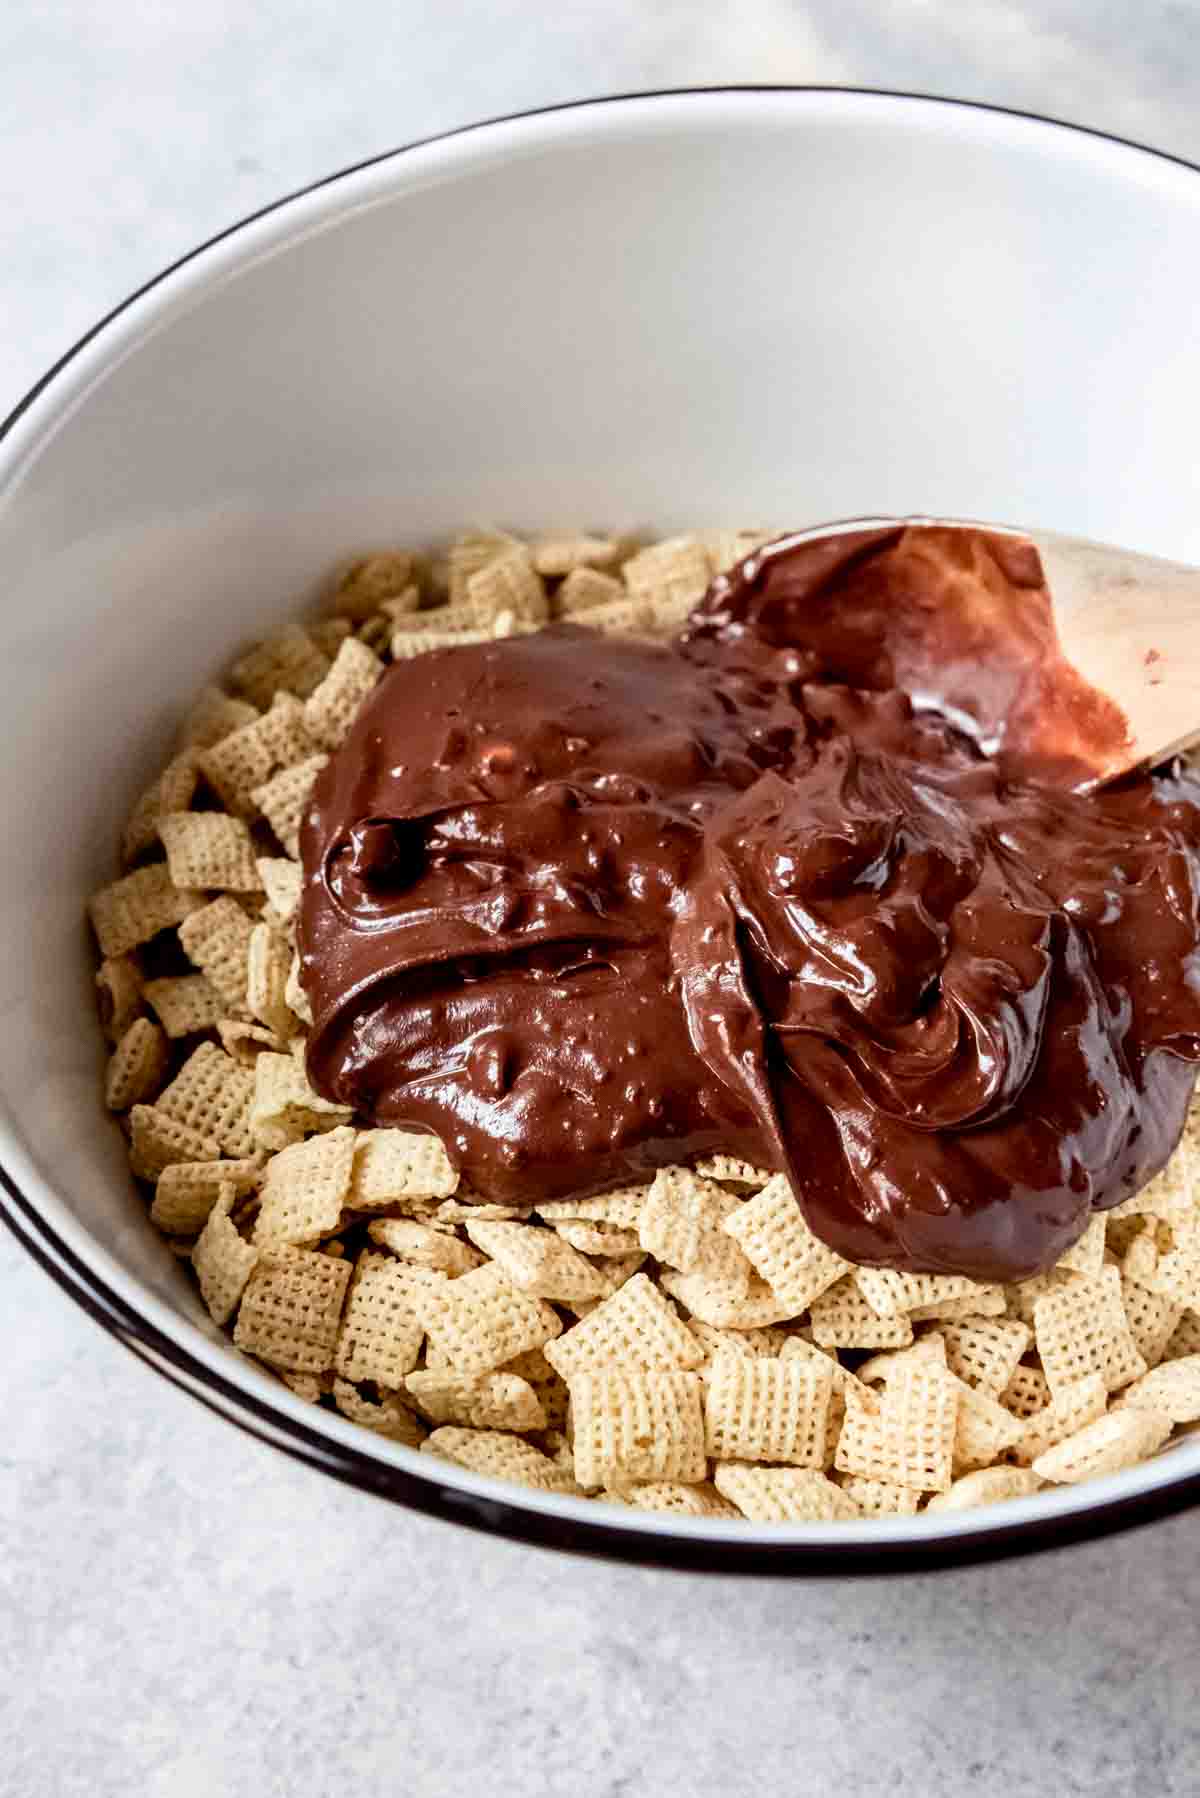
x: 236, y: 1392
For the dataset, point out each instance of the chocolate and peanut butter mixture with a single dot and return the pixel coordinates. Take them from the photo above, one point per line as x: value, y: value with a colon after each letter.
x: 812, y: 884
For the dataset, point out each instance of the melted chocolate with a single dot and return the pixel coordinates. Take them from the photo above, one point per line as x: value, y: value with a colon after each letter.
x: 808, y: 885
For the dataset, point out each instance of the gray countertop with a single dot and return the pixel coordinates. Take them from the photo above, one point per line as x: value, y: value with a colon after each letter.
x: 185, y: 1612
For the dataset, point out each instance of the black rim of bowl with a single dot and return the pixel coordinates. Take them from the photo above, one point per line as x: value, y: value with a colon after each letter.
x: 258, y: 1417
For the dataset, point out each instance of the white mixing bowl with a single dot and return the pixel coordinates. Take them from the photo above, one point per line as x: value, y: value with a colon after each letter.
x: 724, y: 307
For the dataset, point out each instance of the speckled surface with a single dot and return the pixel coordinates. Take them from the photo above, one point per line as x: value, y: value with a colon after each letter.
x: 182, y: 1612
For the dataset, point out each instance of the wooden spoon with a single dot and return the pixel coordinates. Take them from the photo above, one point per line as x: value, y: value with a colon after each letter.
x: 1127, y: 625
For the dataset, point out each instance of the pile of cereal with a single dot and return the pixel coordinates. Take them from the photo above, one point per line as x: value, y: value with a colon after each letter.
x: 686, y: 1345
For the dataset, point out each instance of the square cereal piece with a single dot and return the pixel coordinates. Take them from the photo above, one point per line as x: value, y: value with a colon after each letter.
x: 268, y: 963
x: 284, y: 1108
x: 622, y: 1208
x: 213, y: 716
x: 637, y: 1425
x: 487, y: 1401
x: 783, y: 1494
x: 156, y: 1140
x: 471, y: 551
x: 184, y: 1004
x: 534, y: 1259
x: 381, y: 1333
x: 1083, y: 1329
x: 1152, y: 1319
x: 771, y: 1231
x: 890, y: 1293
x: 393, y: 1166
x: 480, y: 1321
x: 986, y: 1351
x: 724, y: 1305
x: 291, y: 1309
x: 586, y: 588
x: 986, y: 1486
x: 562, y: 554
x: 304, y: 1189
x: 282, y: 880
x: 283, y: 799
x: 1027, y: 1392
x: 906, y: 1435
x: 217, y: 940
x: 681, y: 1225
x: 842, y: 1318
x: 983, y: 1300
x: 371, y: 580
x: 1177, y: 1275
x: 187, y: 1191
x: 880, y: 1498
x: 675, y: 572
x: 331, y: 709
x: 669, y: 1496
x: 209, y: 850
x: 118, y: 995
x: 223, y: 1262
x: 1086, y: 1256
x: 288, y: 662
x: 425, y: 1246
x: 759, y: 1409
x: 1109, y: 1444
x: 1172, y: 1389
x: 509, y: 583
x: 732, y: 1171
x: 390, y: 1417
x: 137, y: 1066
x: 1072, y: 1406
x: 597, y: 1239
x: 496, y: 1454
x: 249, y: 756
x: 135, y: 908
x: 636, y: 1328
x: 211, y: 1094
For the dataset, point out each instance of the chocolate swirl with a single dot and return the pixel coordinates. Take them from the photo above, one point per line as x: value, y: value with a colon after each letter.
x: 807, y: 884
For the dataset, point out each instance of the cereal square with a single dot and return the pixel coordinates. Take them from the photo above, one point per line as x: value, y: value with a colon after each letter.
x: 762, y: 1409
x: 636, y: 1424
x: 771, y: 1231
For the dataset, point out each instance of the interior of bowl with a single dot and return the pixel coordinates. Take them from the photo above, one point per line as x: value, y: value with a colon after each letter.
x: 730, y: 308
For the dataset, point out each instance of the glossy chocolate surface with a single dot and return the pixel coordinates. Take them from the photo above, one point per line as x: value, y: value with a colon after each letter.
x: 809, y: 884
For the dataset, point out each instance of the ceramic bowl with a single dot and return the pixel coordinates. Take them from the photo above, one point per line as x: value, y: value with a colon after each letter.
x: 722, y: 307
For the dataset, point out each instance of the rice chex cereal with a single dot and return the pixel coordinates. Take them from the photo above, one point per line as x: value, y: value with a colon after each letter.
x: 673, y: 1346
